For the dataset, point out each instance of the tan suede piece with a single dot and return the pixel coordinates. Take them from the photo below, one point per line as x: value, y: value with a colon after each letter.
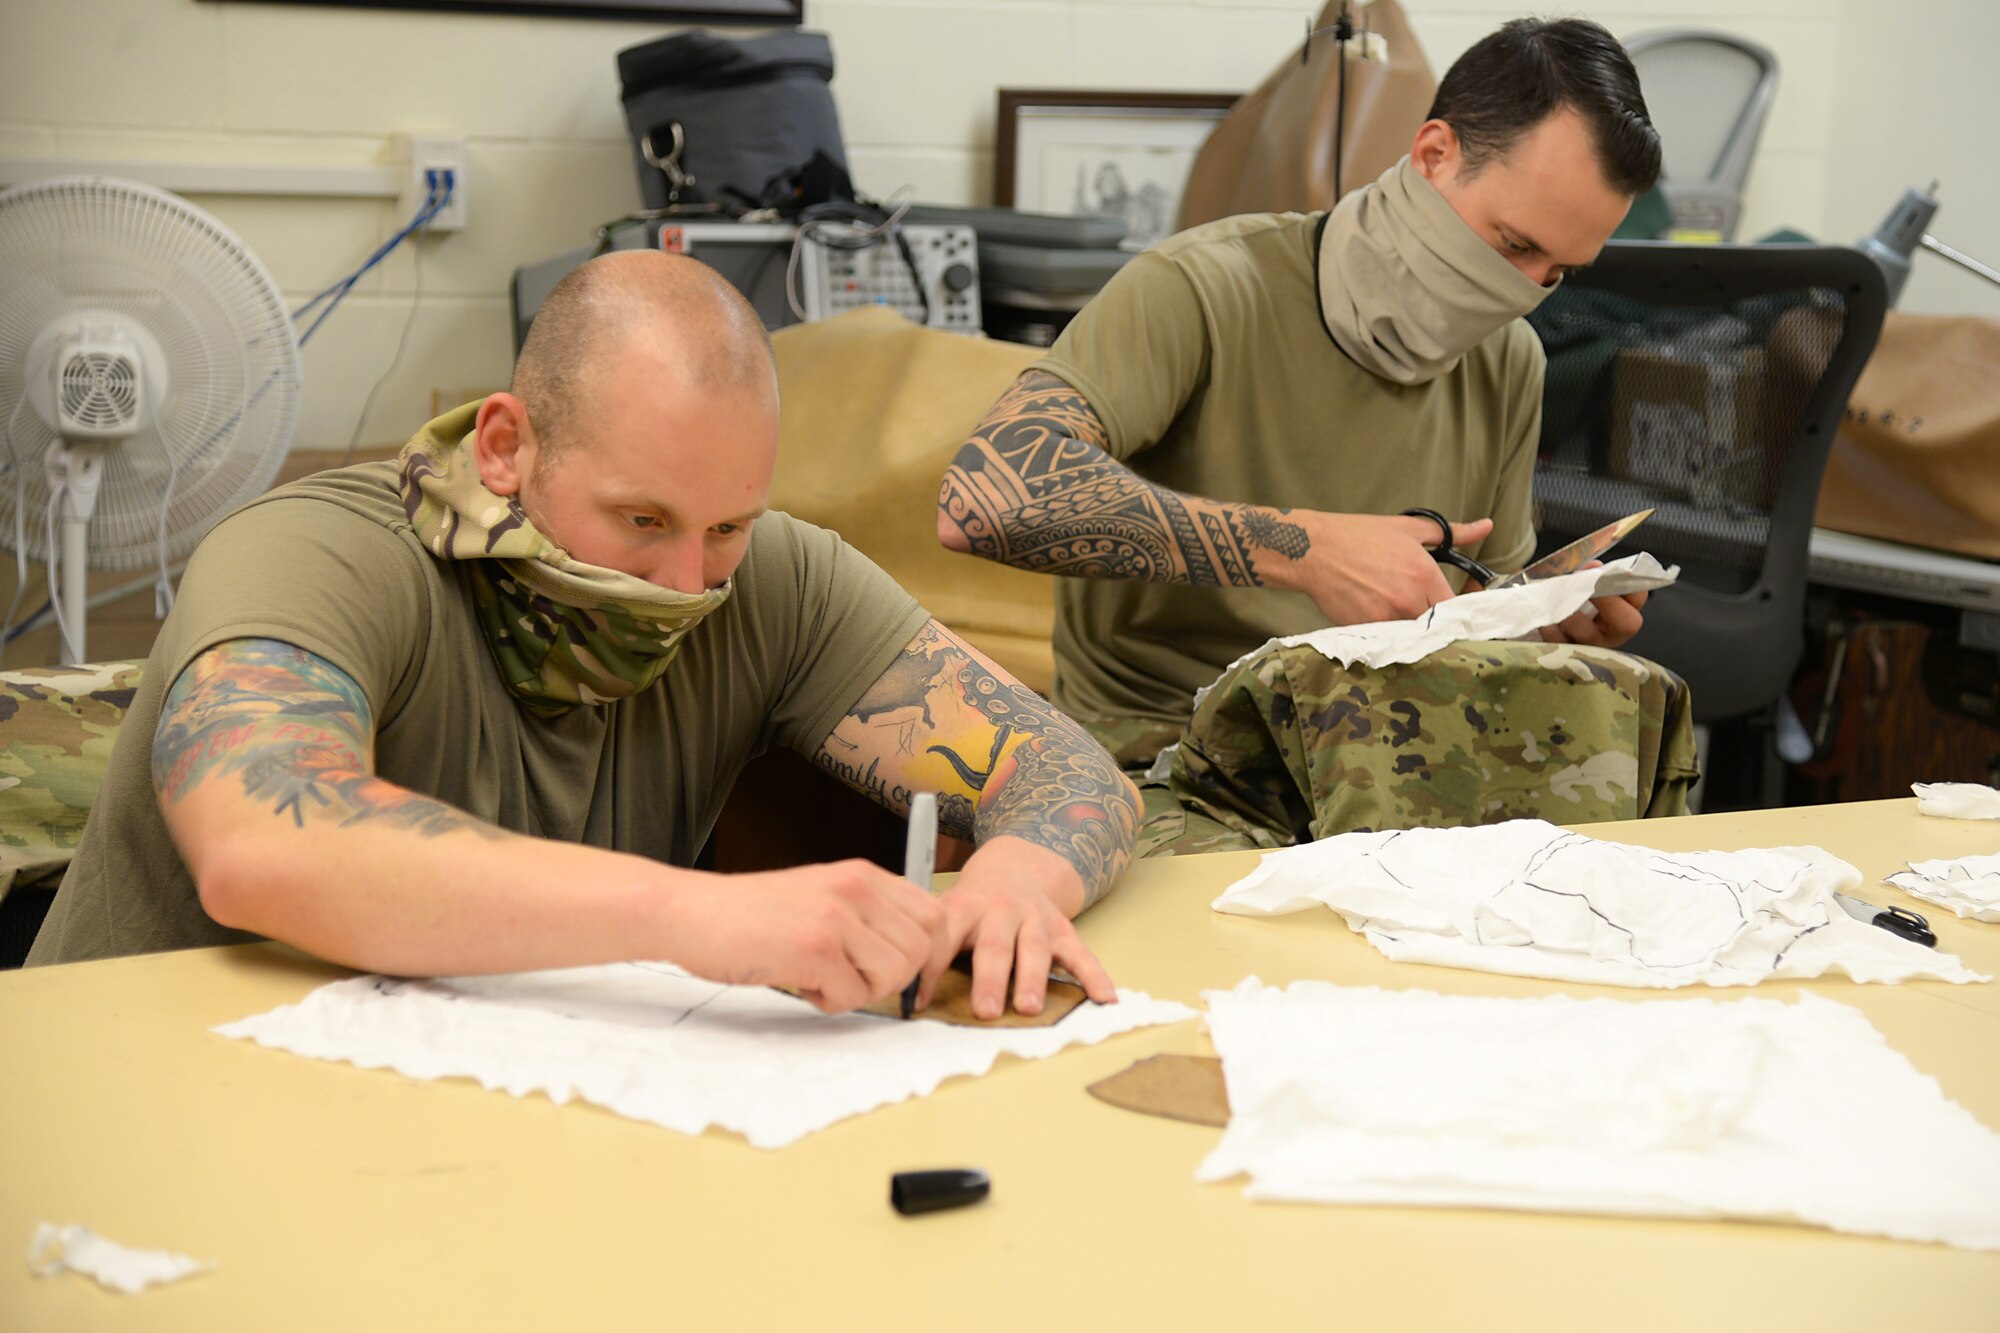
x: 953, y: 1004
x: 874, y: 407
x: 1178, y: 1087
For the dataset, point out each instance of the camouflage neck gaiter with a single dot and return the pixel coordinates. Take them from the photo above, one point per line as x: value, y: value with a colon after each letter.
x: 563, y: 632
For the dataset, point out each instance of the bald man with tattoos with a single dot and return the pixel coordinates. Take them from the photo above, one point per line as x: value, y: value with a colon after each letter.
x: 477, y: 709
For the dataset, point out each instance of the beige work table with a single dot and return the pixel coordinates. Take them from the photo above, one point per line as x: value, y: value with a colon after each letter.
x: 333, y: 1197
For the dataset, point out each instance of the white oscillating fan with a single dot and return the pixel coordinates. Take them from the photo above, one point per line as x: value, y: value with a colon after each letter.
x: 149, y: 380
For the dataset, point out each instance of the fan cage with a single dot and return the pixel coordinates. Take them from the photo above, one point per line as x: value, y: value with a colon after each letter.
x: 226, y: 420
x: 100, y: 391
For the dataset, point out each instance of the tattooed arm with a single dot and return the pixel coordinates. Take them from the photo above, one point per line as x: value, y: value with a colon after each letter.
x: 1035, y: 488
x: 1054, y: 818
x: 263, y: 762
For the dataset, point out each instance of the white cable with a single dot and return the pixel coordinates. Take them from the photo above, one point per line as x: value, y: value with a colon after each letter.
x: 101, y: 599
x: 53, y: 517
x: 163, y: 591
x: 843, y: 234
x: 792, y: 277
x: 20, y: 526
x: 403, y: 339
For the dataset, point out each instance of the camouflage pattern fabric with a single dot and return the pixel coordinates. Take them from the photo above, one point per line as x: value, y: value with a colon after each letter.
x: 1290, y: 746
x: 57, y: 725
x: 562, y: 632
x: 1133, y: 741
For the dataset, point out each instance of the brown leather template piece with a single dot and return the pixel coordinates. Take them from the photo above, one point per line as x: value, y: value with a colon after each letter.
x: 953, y: 1004
x: 1179, y: 1087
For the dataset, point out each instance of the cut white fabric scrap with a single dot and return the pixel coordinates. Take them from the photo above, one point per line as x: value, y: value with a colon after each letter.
x: 651, y: 1043
x: 1528, y: 898
x: 78, y: 1249
x: 1969, y: 886
x: 1957, y: 800
x: 1499, y: 613
x: 1698, y: 1108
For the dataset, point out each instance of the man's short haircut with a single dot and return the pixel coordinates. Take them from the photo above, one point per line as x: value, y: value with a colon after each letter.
x: 713, y: 335
x: 1513, y: 79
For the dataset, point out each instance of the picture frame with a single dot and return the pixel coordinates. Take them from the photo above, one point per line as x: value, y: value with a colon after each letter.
x: 780, y: 12
x: 1101, y: 153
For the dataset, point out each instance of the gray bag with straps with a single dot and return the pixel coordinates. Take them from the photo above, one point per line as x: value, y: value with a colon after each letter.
x: 714, y: 119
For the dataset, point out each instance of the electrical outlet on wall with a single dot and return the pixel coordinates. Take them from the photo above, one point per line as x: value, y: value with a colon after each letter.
x: 440, y: 159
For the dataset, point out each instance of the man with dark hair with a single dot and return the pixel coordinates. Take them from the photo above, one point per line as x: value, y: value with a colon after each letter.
x: 1218, y: 449
x: 477, y: 709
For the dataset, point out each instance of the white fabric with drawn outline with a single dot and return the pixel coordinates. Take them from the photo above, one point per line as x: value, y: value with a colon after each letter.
x: 1748, y: 1108
x: 1528, y: 898
x: 1969, y: 886
x: 651, y: 1043
x: 1957, y: 800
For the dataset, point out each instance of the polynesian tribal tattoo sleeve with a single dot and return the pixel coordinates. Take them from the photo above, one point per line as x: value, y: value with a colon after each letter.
x: 1002, y: 760
x: 1035, y: 489
x: 295, y: 731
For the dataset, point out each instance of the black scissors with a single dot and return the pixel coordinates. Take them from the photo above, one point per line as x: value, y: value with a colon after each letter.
x: 1444, y: 555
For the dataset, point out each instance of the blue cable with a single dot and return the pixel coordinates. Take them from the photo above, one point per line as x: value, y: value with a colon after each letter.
x: 340, y: 285
x: 435, y: 198
x: 425, y: 211
x: 339, y: 290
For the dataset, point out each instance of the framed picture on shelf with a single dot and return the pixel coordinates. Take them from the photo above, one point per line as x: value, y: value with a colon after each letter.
x: 1102, y: 154
x: 678, y: 11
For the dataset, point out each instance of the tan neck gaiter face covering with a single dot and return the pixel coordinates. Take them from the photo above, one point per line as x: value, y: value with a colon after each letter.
x: 1406, y: 287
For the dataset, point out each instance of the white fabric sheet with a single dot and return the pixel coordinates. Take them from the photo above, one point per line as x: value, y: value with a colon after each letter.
x: 1957, y: 800
x: 1528, y: 898
x: 1969, y: 886
x: 78, y: 1249
x: 1689, y: 1108
x: 652, y: 1043
x: 1501, y: 613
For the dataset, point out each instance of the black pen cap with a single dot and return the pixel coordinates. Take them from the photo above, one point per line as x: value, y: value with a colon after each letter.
x: 913, y: 1192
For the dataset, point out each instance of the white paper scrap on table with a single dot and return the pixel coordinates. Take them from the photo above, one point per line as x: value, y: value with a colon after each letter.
x: 1697, y: 1108
x: 1528, y: 898
x: 1957, y: 800
x: 1969, y: 886
x: 651, y: 1043
x: 1499, y: 613
x: 78, y: 1249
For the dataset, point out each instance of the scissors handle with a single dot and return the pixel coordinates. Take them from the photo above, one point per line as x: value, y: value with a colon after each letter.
x: 1443, y: 552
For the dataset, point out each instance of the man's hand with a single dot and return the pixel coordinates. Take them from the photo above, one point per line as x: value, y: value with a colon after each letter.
x: 1361, y: 568
x: 1011, y: 908
x: 1603, y: 622
x: 839, y: 935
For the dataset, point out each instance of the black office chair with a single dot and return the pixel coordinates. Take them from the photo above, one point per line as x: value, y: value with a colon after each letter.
x: 1705, y: 381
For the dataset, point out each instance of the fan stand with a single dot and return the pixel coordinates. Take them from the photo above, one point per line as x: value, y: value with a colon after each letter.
x: 75, y: 470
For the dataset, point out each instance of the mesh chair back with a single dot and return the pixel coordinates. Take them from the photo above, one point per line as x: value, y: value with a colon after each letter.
x: 1705, y: 382
x: 1708, y: 94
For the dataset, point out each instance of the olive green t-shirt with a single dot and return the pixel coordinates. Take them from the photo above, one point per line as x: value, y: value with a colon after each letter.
x: 1208, y: 362
x: 331, y: 565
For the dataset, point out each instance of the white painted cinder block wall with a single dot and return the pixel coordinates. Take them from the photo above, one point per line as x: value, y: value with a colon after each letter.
x: 1859, y: 115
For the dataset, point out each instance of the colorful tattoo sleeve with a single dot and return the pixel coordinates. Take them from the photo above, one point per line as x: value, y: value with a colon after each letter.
x: 295, y: 731
x: 1034, y: 488
x: 1002, y: 760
